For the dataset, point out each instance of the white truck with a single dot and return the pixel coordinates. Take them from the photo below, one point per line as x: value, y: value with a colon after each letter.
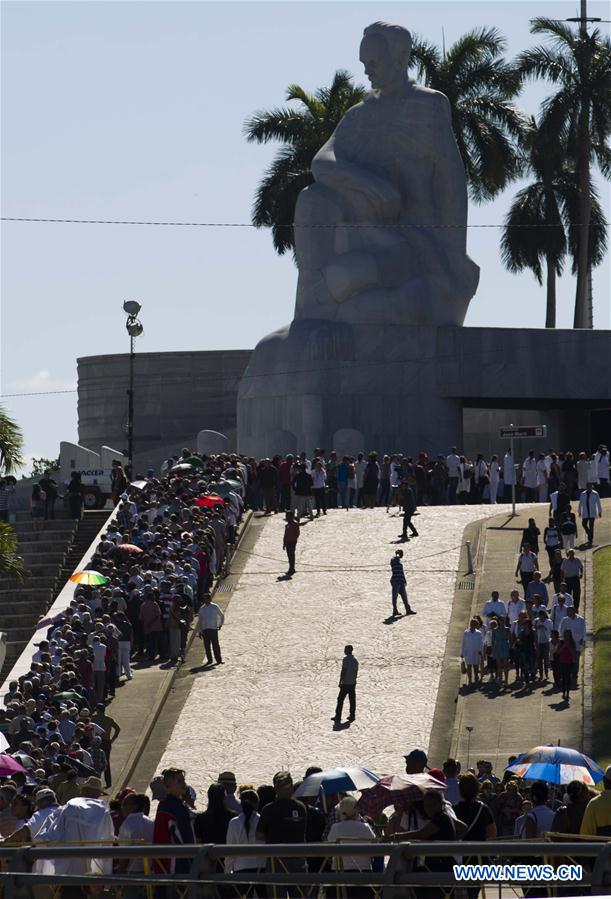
x: 94, y: 469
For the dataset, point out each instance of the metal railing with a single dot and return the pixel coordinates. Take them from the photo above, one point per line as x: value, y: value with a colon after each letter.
x: 203, y: 873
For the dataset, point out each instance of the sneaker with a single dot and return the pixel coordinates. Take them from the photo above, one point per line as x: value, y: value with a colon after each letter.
x: 411, y: 612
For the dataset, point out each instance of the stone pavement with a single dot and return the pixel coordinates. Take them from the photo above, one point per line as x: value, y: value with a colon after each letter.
x: 506, y: 723
x: 269, y: 706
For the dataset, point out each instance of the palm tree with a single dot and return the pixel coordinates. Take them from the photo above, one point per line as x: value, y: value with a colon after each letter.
x: 304, y: 131
x: 11, y: 565
x: 536, y: 225
x: 580, y: 114
x: 480, y: 86
x: 11, y: 444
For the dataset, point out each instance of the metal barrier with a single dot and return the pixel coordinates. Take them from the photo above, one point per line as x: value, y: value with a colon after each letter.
x: 204, y: 878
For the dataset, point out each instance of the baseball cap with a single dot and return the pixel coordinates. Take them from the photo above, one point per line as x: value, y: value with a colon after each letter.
x: 45, y: 795
x: 418, y: 755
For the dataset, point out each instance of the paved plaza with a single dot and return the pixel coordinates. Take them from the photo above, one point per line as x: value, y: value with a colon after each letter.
x: 270, y: 705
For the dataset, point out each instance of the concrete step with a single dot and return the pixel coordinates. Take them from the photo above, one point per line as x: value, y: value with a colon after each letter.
x: 20, y: 634
x: 48, y: 570
x: 61, y: 526
x: 31, y: 609
x: 26, y: 593
x: 32, y: 583
x: 44, y: 553
x: 60, y: 515
x: 52, y: 543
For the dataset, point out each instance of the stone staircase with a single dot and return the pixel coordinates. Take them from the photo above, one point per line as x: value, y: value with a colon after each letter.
x: 51, y: 556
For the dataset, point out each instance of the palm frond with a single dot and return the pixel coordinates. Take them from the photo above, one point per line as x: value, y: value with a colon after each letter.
x: 275, y: 124
x: 11, y: 565
x: 314, y: 106
x: 11, y: 444
x: 561, y: 33
x: 475, y: 45
x: 426, y: 60
x: 543, y: 62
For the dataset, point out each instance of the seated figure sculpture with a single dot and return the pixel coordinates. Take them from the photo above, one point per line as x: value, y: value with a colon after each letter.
x: 380, y: 237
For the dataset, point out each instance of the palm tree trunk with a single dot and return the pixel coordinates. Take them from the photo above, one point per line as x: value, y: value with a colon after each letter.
x: 582, y: 317
x: 550, y: 304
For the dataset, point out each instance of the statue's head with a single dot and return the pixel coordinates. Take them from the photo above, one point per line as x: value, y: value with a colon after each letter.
x: 385, y: 52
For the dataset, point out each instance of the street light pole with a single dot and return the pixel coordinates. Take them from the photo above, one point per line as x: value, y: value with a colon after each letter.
x: 134, y: 329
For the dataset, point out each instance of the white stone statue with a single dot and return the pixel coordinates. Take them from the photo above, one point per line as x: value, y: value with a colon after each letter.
x: 390, y: 195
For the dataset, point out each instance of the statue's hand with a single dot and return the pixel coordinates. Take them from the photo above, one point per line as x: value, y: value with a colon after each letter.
x: 384, y: 198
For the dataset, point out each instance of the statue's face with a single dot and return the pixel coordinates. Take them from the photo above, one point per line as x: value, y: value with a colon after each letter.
x: 383, y: 71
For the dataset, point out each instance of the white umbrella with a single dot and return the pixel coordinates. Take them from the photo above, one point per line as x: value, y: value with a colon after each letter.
x: 139, y: 485
x: 337, y: 780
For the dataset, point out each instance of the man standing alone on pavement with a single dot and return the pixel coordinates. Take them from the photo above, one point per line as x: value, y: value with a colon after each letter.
x: 211, y: 620
x: 590, y: 509
x: 347, y: 685
x: 398, y: 582
x: 289, y: 544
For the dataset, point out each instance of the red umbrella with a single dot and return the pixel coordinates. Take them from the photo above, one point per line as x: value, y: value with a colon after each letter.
x: 209, y: 500
x: 130, y: 548
x: 9, y: 765
x: 397, y: 788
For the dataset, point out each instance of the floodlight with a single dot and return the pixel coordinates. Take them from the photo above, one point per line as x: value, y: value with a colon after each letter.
x: 132, y: 307
x: 134, y: 328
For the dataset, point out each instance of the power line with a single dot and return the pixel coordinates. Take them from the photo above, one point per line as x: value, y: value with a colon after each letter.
x: 399, y: 225
x: 37, y: 393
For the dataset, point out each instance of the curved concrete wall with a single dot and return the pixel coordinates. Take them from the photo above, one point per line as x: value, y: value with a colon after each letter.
x: 176, y: 395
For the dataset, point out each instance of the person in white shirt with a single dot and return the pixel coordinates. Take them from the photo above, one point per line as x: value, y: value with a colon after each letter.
x: 210, y: 621
x: 543, y: 631
x: 601, y: 461
x: 560, y: 609
x: 453, y: 466
x: 351, y: 829
x: 529, y: 477
x: 138, y: 826
x: 527, y: 565
x: 85, y: 819
x: 472, y: 650
x: 577, y: 626
x: 590, y: 509
x: 494, y: 606
x: 542, y: 478
x: 242, y: 831
x: 495, y: 475
x: 583, y: 471
x: 46, y: 805
x: 509, y: 474
x: 515, y: 605
x: 359, y: 469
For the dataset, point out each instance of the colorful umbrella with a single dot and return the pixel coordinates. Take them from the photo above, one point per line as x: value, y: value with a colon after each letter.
x: 209, y: 500
x: 129, y: 549
x: 556, y: 765
x: 337, y: 780
x: 9, y: 765
x: 91, y: 578
x: 399, y: 788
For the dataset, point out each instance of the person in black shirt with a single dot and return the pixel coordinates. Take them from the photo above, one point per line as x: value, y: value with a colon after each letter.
x: 50, y: 488
x: 211, y: 826
x: 284, y: 821
x: 477, y: 818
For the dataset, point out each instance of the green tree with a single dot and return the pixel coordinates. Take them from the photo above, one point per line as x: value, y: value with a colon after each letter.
x: 11, y: 444
x: 303, y: 130
x: 580, y: 114
x: 480, y: 86
x: 536, y: 226
x: 39, y: 466
x: 11, y: 565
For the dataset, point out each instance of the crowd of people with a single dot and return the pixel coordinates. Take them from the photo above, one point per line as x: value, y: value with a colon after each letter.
x: 454, y: 804
x: 330, y: 481
x: 152, y: 574
x: 168, y: 541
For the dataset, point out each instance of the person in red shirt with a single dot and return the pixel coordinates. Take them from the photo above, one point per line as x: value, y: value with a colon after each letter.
x: 291, y: 536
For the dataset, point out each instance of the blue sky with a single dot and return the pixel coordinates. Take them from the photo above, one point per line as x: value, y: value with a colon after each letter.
x: 134, y: 110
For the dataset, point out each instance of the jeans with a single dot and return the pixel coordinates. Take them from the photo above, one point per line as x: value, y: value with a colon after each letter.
x: 50, y: 508
x: 211, y: 645
x: 407, y: 523
x: 452, y: 486
x: 320, y: 500
x: 348, y: 690
x: 399, y: 590
x: 343, y: 493
x: 290, y: 552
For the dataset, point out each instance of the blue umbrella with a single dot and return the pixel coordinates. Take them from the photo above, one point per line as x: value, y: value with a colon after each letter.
x: 337, y: 780
x: 556, y: 765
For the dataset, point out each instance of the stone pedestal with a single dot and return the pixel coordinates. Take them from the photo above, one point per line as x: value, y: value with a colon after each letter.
x: 345, y: 387
x: 399, y: 388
